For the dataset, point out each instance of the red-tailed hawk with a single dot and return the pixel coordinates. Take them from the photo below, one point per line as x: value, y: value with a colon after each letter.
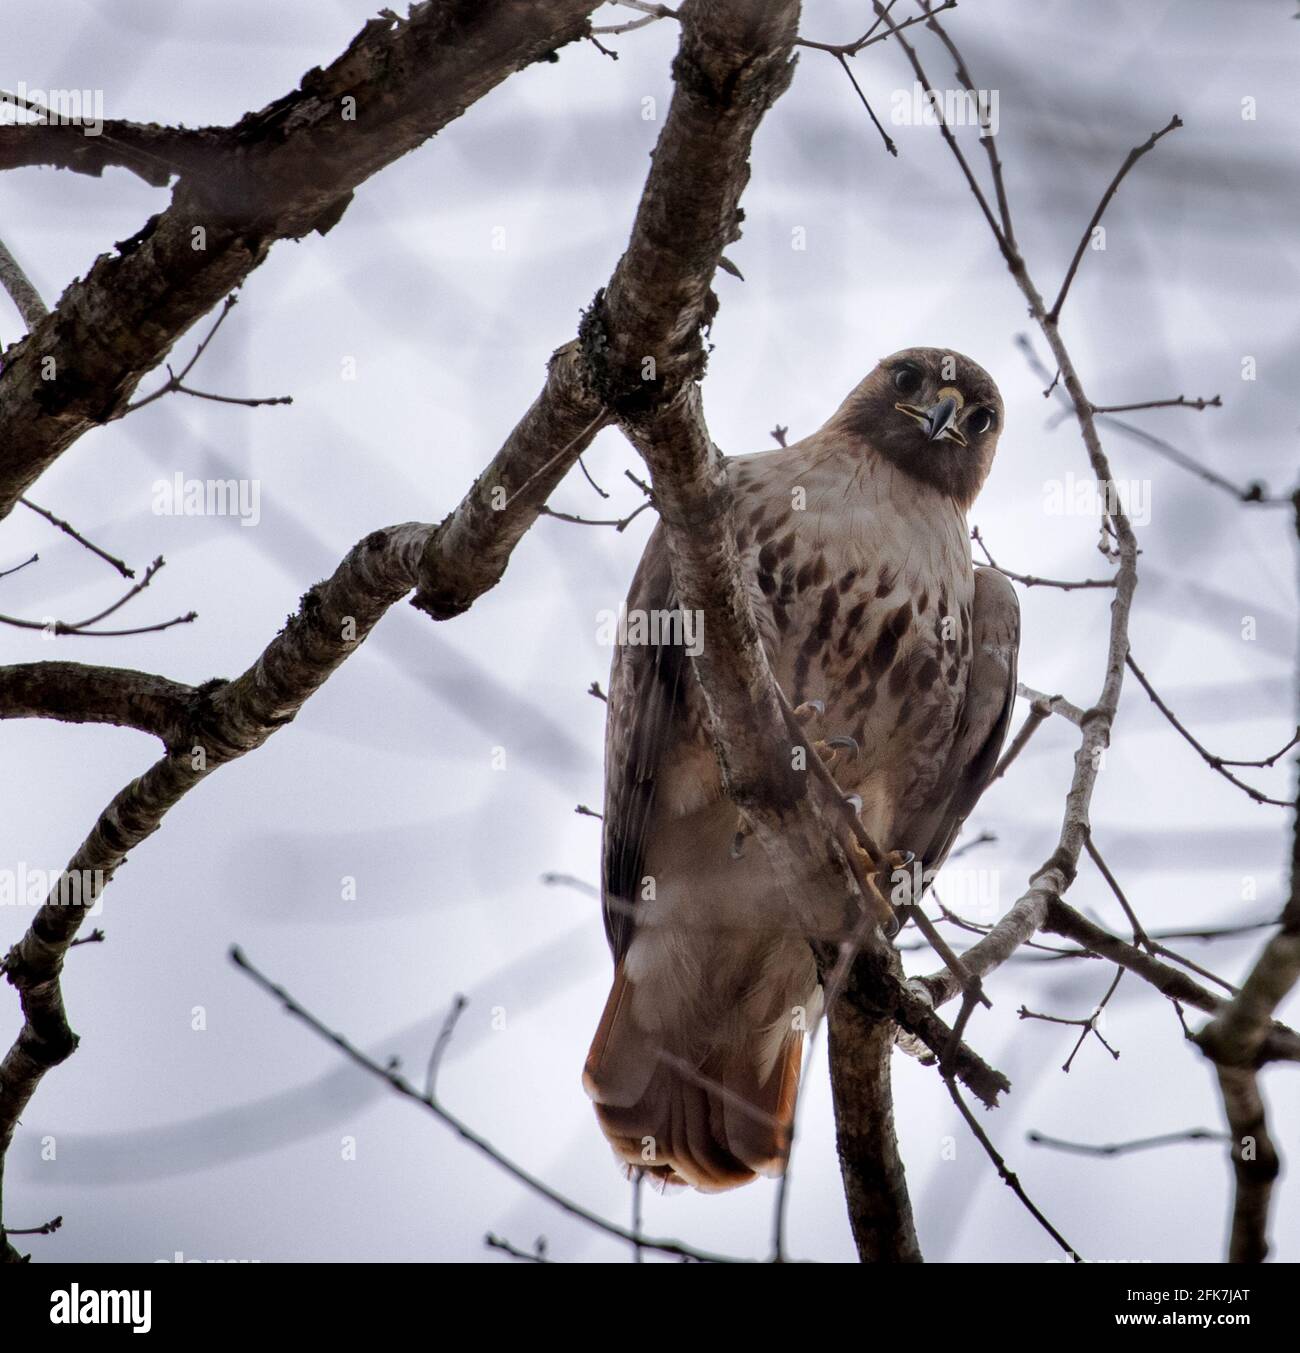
x: 855, y: 548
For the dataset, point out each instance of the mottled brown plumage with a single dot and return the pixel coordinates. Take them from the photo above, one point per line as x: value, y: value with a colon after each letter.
x: 854, y: 545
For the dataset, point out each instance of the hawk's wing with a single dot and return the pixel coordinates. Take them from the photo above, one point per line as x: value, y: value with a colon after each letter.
x: 647, y: 697
x: 986, y: 714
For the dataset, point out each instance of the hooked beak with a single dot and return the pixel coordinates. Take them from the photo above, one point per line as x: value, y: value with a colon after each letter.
x: 939, y: 420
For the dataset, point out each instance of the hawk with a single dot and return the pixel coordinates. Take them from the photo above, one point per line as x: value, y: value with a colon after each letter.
x: 899, y: 655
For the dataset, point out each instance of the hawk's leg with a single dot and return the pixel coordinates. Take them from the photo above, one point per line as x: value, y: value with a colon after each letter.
x: 835, y: 752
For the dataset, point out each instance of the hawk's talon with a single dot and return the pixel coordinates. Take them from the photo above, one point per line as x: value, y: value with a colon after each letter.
x: 827, y: 753
x: 810, y: 709
x: 744, y: 830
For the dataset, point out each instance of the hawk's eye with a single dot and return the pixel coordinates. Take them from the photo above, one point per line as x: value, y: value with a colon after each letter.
x: 980, y: 421
x: 907, y: 380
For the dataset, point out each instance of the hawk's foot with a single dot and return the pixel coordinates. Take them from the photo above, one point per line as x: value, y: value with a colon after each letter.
x: 744, y: 830
x: 837, y: 753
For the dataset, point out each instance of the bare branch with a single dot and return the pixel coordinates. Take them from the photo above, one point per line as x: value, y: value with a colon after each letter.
x: 875, y: 1186
x: 153, y: 153
x: 280, y: 173
x: 228, y: 720
x: 1039, y: 711
x: 871, y: 36
x: 1112, y: 188
x: 1279, y: 1042
x: 1088, y: 1025
x: 27, y: 300
x: 176, y: 384
x: 68, y: 530
x: 48, y: 1229
x: 1029, y: 580
x: 467, y: 554
x: 1011, y: 1180
x: 1124, y: 1148
x: 1255, y: 492
x: 649, y: 14
x: 1054, y: 704
x: 82, y: 628
x: 495, y: 1242
x: 857, y: 89
x: 1181, y: 402
x: 1216, y: 763
x: 619, y: 524
x: 76, y: 693
x: 1255, y: 1160
x: 429, y: 1101
x: 17, y: 568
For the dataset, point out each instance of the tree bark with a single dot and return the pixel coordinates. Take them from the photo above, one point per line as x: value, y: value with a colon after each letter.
x: 875, y: 1187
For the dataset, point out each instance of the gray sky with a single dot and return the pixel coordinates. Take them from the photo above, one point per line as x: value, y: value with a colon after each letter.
x: 228, y: 1142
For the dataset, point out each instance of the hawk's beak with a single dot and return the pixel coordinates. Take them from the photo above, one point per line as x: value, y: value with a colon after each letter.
x: 941, y: 420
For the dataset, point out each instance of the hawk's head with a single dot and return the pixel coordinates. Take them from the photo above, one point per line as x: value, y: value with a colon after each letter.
x: 933, y: 413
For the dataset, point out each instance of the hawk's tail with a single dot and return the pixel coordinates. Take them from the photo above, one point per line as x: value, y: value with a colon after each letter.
x: 714, y: 1126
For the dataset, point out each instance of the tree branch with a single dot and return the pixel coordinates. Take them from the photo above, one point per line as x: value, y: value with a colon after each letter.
x: 284, y: 172
x: 77, y: 693
x: 391, y: 1075
x: 27, y: 300
x: 1216, y: 763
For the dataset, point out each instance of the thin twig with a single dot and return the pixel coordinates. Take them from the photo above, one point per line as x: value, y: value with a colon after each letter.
x: 82, y: 627
x: 650, y: 14
x: 397, y: 1082
x: 231, y: 301
x: 619, y: 524
x: 885, y: 136
x: 1088, y: 1025
x: 1112, y: 188
x: 1008, y: 1178
x: 638, y: 1229
x: 4, y: 573
x: 1123, y: 1148
x: 1029, y: 580
x: 1255, y: 492
x: 176, y: 384
x: 458, y: 1005
x: 586, y: 474
x: 1181, y: 402
x: 870, y: 37
x: 47, y: 1230
x: 534, y: 1256
x: 69, y: 530
x: 1216, y: 763
x: 1039, y: 712
x: 1140, y: 936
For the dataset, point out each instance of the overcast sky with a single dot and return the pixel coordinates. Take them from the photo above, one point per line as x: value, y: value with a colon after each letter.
x: 450, y: 279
